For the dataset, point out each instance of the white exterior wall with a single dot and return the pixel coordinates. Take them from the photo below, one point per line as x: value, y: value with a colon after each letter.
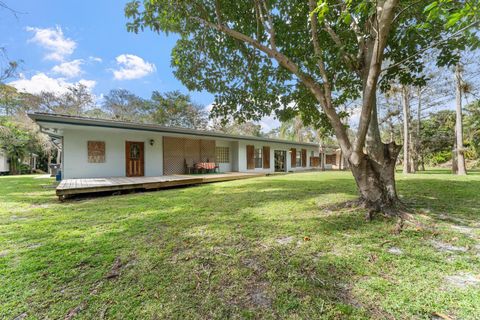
x: 4, y: 165
x: 75, y: 158
x: 242, y: 155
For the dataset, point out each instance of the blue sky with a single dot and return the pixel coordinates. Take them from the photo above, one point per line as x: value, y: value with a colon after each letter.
x: 64, y: 42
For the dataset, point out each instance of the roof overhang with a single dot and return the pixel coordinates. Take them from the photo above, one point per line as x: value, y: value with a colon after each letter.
x: 55, y: 123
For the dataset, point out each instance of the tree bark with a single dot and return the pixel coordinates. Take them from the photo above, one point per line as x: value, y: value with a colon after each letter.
x: 419, y: 129
x: 406, y: 126
x: 461, y: 169
x: 454, y: 157
x: 375, y: 175
x: 376, y: 181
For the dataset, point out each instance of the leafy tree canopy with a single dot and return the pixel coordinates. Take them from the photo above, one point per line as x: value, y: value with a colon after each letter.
x: 177, y: 110
x: 224, y: 48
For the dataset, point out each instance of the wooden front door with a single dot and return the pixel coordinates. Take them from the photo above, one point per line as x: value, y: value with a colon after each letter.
x: 134, y: 156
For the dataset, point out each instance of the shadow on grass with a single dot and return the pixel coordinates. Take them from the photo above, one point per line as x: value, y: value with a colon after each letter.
x: 435, y: 197
x: 213, y: 248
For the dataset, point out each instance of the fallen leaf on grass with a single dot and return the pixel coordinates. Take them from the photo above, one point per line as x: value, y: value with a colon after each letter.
x: 441, y: 315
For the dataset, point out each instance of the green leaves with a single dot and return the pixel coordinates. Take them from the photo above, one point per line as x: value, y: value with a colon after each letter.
x: 453, y: 19
x: 321, y: 10
x: 248, y: 83
x: 431, y: 6
x: 453, y: 15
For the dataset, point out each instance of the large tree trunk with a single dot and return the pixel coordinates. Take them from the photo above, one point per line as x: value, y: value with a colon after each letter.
x: 461, y: 169
x: 376, y: 180
x: 371, y: 162
x: 375, y: 175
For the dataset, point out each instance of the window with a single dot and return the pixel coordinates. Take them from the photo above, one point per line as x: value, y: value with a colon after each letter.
x: 134, y: 151
x: 331, y: 159
x: 222, y: 154
x: 299, y: 158
x: 258, y: 158
x: 312, y: 153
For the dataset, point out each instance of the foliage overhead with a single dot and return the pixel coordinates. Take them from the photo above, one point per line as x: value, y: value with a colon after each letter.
x: 249, y: 83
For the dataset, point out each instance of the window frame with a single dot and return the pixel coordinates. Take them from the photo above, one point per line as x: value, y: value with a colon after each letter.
x: 222, y: 154
x: 258, y: 157
x: 298, y: 159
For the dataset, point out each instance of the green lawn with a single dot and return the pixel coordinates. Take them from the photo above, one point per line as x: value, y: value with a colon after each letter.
x: 238, y: 250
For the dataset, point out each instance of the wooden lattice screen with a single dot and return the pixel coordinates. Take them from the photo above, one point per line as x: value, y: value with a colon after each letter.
x: 207, y: 150
x: 178, y: 151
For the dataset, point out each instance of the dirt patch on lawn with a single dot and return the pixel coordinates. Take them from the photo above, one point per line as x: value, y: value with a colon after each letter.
x: 447, y: 247
x: 463, y: 280
x: 258, y: 296
x: 285, y: 240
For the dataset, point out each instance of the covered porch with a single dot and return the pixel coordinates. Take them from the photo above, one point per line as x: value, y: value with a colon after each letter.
x: 71, y: 187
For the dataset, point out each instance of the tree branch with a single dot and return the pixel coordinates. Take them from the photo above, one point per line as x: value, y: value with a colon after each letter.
x: 349, y: 59
x: 270, y: 28
x: 360, y: 37
x: 318, y: 51
x: 405, y: 9
x: 385, y: 15
x: 288, y: 64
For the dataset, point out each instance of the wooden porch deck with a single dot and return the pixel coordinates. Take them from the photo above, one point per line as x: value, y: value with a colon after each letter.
x: 71, y: 187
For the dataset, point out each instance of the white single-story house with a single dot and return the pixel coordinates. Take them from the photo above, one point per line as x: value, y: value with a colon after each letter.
x: 95, y: 148
x: 4, y: 164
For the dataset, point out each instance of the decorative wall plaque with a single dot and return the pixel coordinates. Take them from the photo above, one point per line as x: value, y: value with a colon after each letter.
x: 96, y: 151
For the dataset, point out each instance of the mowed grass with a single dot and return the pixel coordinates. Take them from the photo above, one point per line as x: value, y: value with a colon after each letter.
x: 270, y: 247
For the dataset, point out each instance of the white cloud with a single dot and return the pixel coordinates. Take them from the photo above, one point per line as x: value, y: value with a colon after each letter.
x: 132, y: 67
x: 88, y: 83
x: 69, y: 69
x: 209, y: 107
x: 269, y: 123
x: 95, y: 59
x: 41, y: 82
x: 53, y: 40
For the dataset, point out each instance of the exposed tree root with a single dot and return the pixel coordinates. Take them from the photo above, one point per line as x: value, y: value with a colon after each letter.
x: 398, y: 210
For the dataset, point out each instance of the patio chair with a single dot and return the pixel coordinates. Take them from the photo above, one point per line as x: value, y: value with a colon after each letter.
x: 189, y: 167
